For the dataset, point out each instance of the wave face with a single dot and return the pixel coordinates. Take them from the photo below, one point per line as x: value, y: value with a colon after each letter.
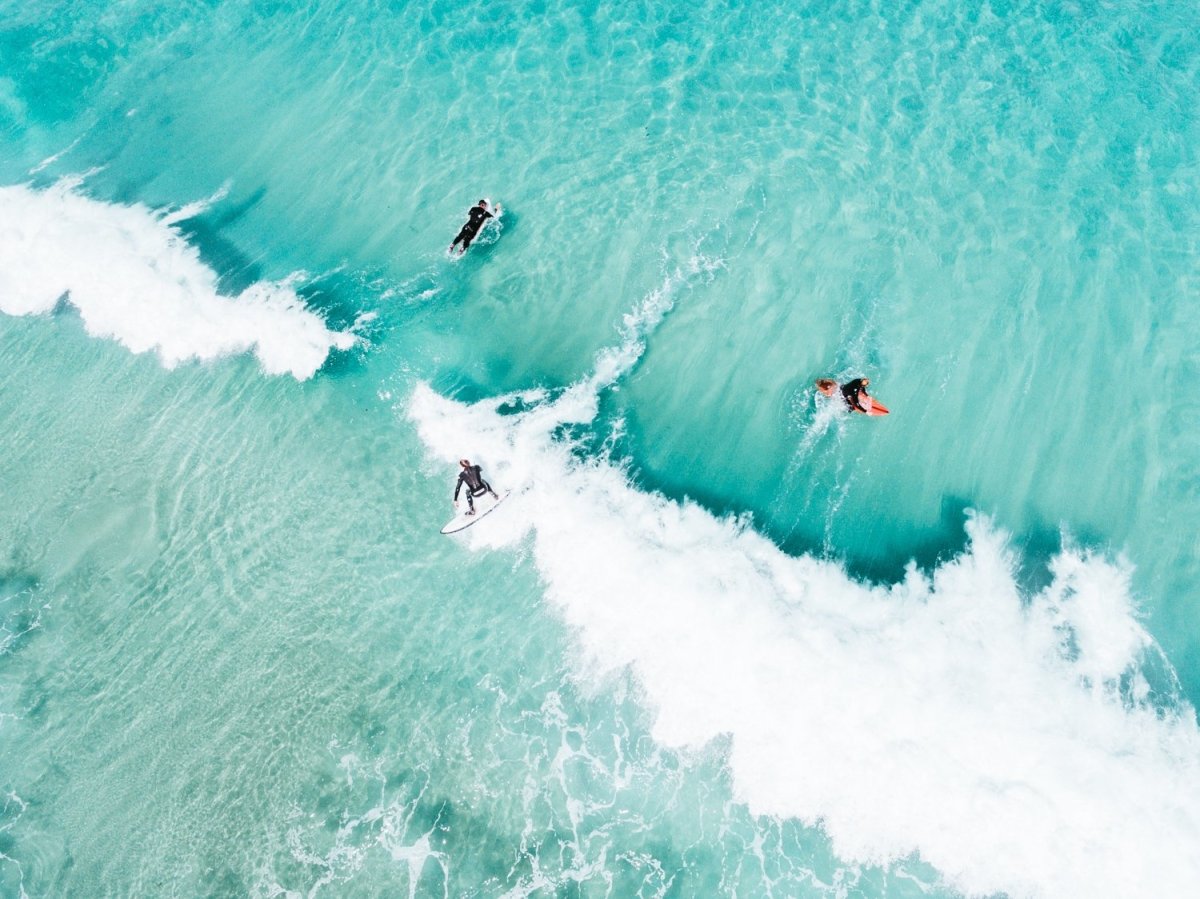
x: 723, y: 640
x: 132, y: 277
x: 1011, y: 739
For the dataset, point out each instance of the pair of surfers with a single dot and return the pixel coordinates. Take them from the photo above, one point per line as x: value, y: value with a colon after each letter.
x: 853, y: 392
x: 471, y: 476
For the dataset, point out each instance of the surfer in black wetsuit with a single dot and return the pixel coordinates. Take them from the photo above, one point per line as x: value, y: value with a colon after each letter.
x: 472, y: 476
x: 853, y: 393
x: 476, y: 216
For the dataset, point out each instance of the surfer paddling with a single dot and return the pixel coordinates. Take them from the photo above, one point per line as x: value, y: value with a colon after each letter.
x: 476, y: 216
x: 855, y: 394
x: 472, y: 476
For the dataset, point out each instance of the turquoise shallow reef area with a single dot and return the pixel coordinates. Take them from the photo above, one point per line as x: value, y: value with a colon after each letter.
x: 724, y: 638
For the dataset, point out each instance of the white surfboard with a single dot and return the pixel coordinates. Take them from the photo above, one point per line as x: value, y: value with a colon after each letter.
x: 483, y: 505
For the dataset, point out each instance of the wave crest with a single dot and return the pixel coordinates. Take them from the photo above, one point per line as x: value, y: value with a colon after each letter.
x: 1012, y: 739
x: 134, y: 278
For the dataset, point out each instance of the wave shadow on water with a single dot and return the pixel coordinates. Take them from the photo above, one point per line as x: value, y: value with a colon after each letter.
x: 236, y: 270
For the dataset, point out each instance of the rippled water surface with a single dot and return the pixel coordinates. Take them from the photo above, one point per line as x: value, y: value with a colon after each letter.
x: 723, y: 639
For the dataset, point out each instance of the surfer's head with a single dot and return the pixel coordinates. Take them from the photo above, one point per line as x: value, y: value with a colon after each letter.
x: 866, y: 381
x: 482, y: 204
x: 465, y: 463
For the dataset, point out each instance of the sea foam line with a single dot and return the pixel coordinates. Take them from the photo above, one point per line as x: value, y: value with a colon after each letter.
x: 1009, y: 738
x: 133, y: 277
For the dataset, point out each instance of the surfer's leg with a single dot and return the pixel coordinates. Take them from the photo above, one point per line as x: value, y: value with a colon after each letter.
x: 469, y: 234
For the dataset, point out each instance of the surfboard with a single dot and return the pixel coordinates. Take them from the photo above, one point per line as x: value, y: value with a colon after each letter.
x: 491, y: 225
x: 830, y: 387
x: 483, y: 505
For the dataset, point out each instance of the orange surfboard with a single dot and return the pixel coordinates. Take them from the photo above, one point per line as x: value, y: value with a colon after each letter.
x: 830, y: 388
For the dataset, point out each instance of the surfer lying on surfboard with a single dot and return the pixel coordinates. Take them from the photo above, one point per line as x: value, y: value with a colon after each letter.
x: 855, y: 394
x: 472, y: 476
x: 476, y: 216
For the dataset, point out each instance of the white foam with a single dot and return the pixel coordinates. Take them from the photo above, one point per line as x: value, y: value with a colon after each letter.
x: 134, y: 278
x: 613, y: 363
x: 947, y: 714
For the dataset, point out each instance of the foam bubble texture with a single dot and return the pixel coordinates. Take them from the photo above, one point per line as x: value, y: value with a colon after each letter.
x: 134, y: 278
x: 1003, y: 736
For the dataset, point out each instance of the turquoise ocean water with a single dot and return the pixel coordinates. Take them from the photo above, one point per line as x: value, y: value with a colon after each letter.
x: 722, y: 639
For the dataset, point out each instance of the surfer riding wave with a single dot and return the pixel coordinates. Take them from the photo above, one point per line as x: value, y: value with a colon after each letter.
x: 472, y: 476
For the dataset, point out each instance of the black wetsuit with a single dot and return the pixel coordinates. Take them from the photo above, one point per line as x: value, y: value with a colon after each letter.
x: 850, y: 392
x: 475, y: 219
x: 472, y: 476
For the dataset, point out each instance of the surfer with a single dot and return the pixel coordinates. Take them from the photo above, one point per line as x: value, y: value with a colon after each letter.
x: 476, y: 216
x: 853, y: 393
x: 472, y: 476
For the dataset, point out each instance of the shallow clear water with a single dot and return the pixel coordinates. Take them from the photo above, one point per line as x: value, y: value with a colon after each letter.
x: 723, y: 639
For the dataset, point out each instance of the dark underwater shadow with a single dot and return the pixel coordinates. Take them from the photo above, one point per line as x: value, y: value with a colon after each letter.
x: 235, y: 269
x: 466, y: 388
x: 342, y: 301
x: 510, y: 221
x: 338, y: 298
x: 1041, y: 541
x: 947, y: 539
x: 1033, y: 548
